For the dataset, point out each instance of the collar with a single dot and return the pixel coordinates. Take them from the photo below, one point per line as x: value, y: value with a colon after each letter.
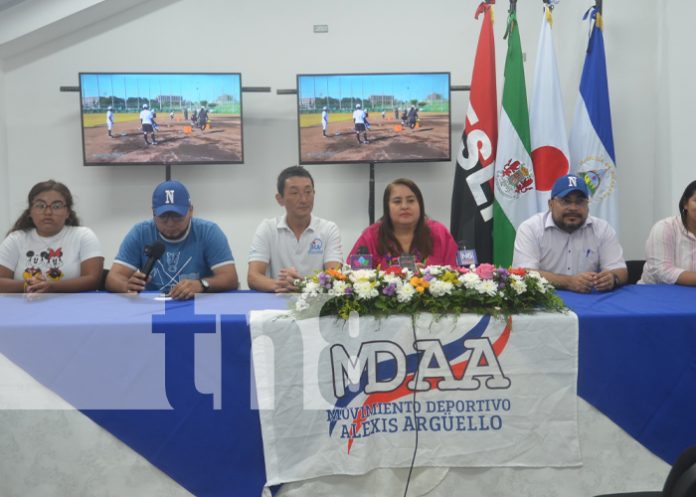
x: 178, y: 240
x: 313, y: 221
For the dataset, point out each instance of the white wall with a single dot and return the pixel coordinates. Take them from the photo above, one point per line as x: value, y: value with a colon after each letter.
x: 4, y: 177
x: 269, y: 42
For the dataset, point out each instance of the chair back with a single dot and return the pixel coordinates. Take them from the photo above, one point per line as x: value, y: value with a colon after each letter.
x: 681, y: 481
x: 635, y: 270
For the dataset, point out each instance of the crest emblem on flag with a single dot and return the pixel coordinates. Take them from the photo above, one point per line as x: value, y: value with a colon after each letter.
x: 514, y: 179
x: 599, y: 176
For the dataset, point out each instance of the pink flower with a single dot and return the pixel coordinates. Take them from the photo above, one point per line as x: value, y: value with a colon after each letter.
x: 485, y: 271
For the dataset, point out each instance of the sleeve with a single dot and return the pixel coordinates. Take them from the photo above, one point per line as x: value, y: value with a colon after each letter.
x: 217, y: 248
x: 131, y: 249
x: 527, y: 252
x: 333, y: 251
x: 10, y: 252
x: 89, y: 245
x: 260, y: 249
x: 660, y: 254
x: 610, y: 252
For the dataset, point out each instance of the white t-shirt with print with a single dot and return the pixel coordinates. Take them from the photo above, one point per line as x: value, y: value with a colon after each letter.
x: 57, y: 257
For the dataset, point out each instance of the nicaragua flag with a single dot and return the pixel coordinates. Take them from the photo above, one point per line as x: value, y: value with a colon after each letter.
x: 591, y: 140
x: 515, y: 195
x: 471, y: 221
x: 549, y: 139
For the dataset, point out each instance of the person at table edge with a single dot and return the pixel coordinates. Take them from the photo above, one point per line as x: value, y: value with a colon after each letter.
x: 670, y: 250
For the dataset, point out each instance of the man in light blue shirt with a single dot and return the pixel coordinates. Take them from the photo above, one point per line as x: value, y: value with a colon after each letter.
x: 196, y: 257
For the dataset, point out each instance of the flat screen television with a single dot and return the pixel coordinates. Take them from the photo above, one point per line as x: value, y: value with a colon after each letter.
x: 197, y: 118
x: 406, y: 117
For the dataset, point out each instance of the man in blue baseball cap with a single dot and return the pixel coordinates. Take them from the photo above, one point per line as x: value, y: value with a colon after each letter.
x: 570, y: 248
x: 195, y: 258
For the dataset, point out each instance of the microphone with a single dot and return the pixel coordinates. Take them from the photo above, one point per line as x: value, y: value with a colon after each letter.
x: 466, y: 257
x: 153, y: 252
x: 408, y: 261
x: 362, y: 259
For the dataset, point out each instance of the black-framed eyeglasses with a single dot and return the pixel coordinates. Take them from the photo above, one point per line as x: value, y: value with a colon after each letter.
x: 579, y: 201
x: 40, y: 205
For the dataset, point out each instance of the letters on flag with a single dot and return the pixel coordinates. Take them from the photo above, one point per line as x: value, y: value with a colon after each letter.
x: 472, y: 195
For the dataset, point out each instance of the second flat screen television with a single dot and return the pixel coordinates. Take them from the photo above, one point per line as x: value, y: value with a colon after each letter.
x: 196, y: 118
x: 385, y: 117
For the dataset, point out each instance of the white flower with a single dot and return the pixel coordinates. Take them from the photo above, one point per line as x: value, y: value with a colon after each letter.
x: 469, y: 280
x: 518, y: 284
x: 339, y: 288
x: 392, y: 278
x: 488, y: 287
x: 301, y: 305
x: 405, y: 293
x: 364, y: 290
x: 362, y: 275
x: 312, y: 288
x: 435, y: 270
x: 439, y: 288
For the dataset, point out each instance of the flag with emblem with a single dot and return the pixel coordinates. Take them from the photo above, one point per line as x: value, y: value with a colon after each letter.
x: 471, y: 220
x: 515, y: 195
x: 591, y: 140
x: 550, y: 154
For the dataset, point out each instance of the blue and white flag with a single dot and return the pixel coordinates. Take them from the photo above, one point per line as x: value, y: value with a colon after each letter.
x: 591, y: 140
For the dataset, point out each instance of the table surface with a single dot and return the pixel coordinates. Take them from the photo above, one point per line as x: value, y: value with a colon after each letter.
x: 637, y: 365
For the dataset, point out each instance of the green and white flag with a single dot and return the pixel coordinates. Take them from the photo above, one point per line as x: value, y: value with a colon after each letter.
x: 515, y: 188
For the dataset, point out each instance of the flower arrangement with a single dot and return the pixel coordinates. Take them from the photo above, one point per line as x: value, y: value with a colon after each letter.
x: 482, y: 289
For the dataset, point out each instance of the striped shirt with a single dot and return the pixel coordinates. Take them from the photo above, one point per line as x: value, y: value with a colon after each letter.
x: 669, y: 251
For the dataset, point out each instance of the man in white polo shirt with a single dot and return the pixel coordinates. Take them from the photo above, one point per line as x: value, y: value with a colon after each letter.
x: 570, y: 248
x: 294, y: 245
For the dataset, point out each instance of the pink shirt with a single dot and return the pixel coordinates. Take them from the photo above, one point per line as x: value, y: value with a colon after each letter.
x: 444, y: 246
x: 669, y: 251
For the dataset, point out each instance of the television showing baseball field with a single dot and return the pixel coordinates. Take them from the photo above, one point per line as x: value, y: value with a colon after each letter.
x: 378, y: 117
x: 161, y: 118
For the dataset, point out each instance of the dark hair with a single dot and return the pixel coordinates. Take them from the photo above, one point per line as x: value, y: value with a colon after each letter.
x: 388, y: 244
x: 688, y: 193
x: 290, y: 172
x: 24, y: 222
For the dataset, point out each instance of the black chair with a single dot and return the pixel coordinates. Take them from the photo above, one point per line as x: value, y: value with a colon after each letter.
x: 681, y: 480
x: 635, y: 270
x: 102, y: 283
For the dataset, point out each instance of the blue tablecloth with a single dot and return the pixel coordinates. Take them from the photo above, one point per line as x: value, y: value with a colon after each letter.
x: 637, y: 365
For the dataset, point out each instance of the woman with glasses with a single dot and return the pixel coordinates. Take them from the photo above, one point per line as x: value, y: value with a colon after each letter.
x: 671, y: 246
x: 47, y: 251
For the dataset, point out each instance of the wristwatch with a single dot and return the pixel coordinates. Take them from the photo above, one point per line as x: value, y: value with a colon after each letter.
x: 204, y: 283
x: 617, y: 282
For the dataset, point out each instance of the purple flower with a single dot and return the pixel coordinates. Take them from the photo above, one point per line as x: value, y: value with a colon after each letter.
x: 325, y: 280
x: 349, y: 290
x: 389, y: 290
x: 428, y: 277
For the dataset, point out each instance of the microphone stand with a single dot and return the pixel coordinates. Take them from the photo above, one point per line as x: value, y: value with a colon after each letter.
x: 371, y: 200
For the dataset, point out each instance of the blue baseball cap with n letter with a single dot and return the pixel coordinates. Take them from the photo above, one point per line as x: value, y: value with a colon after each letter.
x: 568, y: 184
x: 170, y: 196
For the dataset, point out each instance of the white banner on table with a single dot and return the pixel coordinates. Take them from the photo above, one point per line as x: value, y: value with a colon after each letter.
x: 341, y: 397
